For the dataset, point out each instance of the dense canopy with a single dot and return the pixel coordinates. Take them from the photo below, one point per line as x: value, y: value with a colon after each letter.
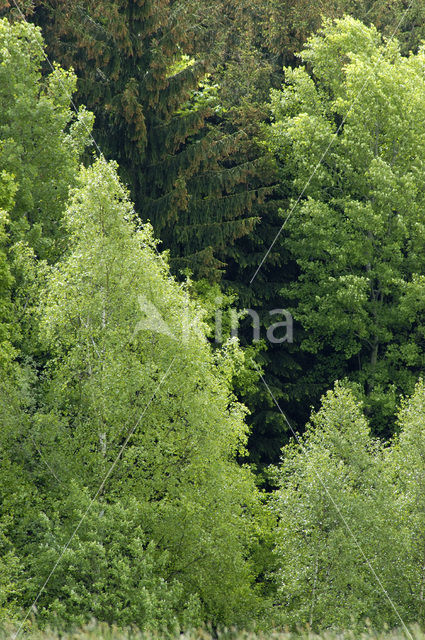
x: 212, y: 338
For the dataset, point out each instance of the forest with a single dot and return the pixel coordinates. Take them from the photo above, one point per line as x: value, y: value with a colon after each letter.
x: 212, y: 319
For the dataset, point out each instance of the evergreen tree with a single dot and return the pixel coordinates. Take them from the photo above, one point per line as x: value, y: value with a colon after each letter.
x: 278, y: 29
x: 180, y: 168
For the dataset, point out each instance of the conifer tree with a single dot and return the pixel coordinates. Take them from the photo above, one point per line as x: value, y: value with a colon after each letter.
x: 179, y: 167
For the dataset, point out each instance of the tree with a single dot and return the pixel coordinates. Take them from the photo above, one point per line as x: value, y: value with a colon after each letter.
x: 128, y: 355
x: 405, y: 469
x: 41, y: 143
x: 7, y: 190
x: 179, y: 165
x: 252, y: 40
x: 357, y: 234
x: 42, y: 139
x: 282, y: 28
x: 9, y: 563
x: 338, y: 526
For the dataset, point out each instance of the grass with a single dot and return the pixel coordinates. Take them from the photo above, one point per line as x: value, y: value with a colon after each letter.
x: 95, y: 631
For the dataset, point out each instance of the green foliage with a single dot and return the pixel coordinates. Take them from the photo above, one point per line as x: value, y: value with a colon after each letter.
x: 189, y: 507
x: 17, y: 493
x: 153, y: 113
x: 405, y: 469
x: 251, y: 41
x: 121, y: 351
x: 7, y: 190
x: 336, y: 510
x: 9, y: 576
x: 41, y: 143
x: 41, y: 138
x: 357, y: 234
x: 120, y: 429
x: 112, y: 571
x: 350, y: 539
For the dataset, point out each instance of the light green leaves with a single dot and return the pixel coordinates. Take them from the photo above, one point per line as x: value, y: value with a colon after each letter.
x: 41, y: 138
x: 112, y: 370
x: 350, y: 136
x: 341, y: 549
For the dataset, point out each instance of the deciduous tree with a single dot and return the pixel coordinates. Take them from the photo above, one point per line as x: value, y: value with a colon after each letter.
x: 131, y: 375
x: 357, y: 234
